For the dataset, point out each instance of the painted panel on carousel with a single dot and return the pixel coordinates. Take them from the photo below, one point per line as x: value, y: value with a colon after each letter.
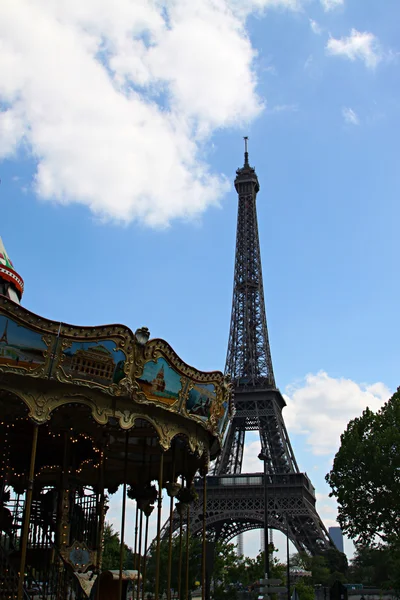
x: 200, y: 400
x: 101, y: 362
x: 160, y: 382
x: 19, y: 346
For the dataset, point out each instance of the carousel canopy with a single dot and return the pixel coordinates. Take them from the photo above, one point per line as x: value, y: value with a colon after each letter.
x: 111, y: 387
x: 11, y: 284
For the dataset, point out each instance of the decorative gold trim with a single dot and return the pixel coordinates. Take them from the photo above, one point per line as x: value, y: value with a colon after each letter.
x: 27, y: 318
x: 121, y: 336
x: 33, y: 323
x: 42, y: 405
x: 157, y: 348
x: 120, y: 400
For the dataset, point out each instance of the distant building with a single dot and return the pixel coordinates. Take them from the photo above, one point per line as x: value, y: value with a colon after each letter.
x: 337, y: 537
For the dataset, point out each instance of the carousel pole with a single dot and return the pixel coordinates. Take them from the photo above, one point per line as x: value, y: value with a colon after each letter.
x: 203, y: 561
x: 101, y: 522
x: 140, y: 553
x: 5, y: 465
x: 187, y: 551
x: 136, y: 536
x: 159, y: 507
x: 180, y: 549
x: 171, y: 510
x: 136, y: 557
x: 146, y: 538
x: 121, y: 552
x: 148, y: 511
x: 63, y: 519
x: 28, y: 504
x: 63, y: 501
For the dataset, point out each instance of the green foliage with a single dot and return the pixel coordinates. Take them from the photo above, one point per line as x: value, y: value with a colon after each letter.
x: 111, y: 553
x: 325, y: 569
x: 231, y: 569
x: 228, y: 568
x: 336, y: 561
x: 365, y: 478
x: 315, y: 564
x: 376, y: 567
x: 306, y: 592
x: 195, y: 553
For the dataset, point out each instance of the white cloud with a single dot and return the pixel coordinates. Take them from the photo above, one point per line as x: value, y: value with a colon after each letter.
x: 116, y: 101
x: 315, y: 27
x: 327, y: 509
x: 252, y: 448
x: 308, y: 63
x: 331, y: 4
x: 279, y: 108
x: 246, y: 6
x: 350, y: 116
x: 320, y: 407
x: 363, y: 46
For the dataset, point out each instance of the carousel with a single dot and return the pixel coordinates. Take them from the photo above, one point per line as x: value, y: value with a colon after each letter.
x: 85, y: 411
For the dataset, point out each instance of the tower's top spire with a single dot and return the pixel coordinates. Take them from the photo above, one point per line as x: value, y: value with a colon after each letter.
x: 246, y: 152
x: 246, y: 174
x: 11, y: 284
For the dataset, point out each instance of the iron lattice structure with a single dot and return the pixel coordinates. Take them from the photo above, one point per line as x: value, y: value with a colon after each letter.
x: 235, y: 504
x: 257, y: 401
x: 248, y: 359
x: 235, y: 501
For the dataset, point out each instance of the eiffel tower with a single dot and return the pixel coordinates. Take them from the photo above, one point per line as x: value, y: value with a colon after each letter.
x: 235, y: 500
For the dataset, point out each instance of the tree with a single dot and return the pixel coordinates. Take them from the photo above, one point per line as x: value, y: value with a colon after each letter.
x: 315, y: 564
x: 325, y: 569
x: 227, y: 571
x: 336, y: 561
x: 230, y: 571
x: 111, y: 552
x: 195, y: 552
x: 365, y: 478
x: 305, y: 591
x: 376, y: 567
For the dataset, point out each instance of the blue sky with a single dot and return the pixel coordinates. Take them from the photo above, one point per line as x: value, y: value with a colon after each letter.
x: 120, y: 134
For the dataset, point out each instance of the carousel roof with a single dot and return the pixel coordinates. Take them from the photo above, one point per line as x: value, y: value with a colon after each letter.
x: 4, y: 258
x: 9, y: 274
x: 136, y: 398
